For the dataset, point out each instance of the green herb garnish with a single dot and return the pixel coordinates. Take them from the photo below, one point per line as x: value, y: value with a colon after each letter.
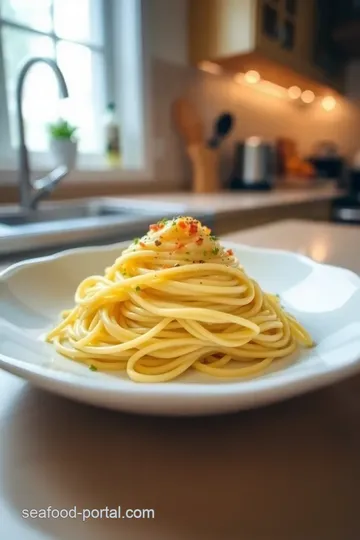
x: 136, y: 240
x: 213, y: 237
x: 93, y: 368
x: 137, y: 288
x: 163, y: 220
x: 215, y: 251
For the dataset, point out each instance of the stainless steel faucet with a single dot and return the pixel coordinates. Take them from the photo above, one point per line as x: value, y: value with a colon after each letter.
x: 32, y: 191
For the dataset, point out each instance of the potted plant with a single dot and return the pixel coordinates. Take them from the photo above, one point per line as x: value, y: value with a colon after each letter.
x: 63, y: 143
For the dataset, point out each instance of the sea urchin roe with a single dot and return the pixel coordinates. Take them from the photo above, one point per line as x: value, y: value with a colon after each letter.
x: 193, y: 228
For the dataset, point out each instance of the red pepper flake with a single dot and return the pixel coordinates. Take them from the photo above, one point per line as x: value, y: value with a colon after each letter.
x: 182, y: 225
x: 157, y: 243
x: 193, y: 229
x: 142, y: 244
x: 199, y: 241
x: 230, y: 252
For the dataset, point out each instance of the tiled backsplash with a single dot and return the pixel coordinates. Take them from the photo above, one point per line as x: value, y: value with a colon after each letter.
x: 256, y: 114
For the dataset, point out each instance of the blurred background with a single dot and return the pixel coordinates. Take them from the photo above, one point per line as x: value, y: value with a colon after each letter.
x: 188, y: 94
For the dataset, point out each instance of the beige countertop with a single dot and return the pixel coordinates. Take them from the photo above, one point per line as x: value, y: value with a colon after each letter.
x: 290, y: 471
x: 229, y: 201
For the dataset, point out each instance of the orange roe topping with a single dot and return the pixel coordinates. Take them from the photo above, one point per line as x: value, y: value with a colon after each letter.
x: 193, y: 229
x: 142, y: 244
x: 230, y: 252
x: 182, y: 225
x: 154, y: 227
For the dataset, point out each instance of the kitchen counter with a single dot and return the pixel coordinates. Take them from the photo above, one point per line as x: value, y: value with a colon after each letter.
x: 226, y: 201
x: 290, y: 471
x: 236, y: 210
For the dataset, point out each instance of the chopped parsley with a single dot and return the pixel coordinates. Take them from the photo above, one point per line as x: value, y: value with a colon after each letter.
x: 136, y: 240
x: 93, y: 368
x: 215, y: 251
x: 213, y: 237
x: 163, y: 220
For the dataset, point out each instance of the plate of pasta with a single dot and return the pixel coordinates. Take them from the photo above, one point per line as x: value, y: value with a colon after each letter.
x: 179, y: 323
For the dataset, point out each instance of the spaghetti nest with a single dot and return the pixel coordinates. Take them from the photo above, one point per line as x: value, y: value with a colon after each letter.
x: 176, y: 300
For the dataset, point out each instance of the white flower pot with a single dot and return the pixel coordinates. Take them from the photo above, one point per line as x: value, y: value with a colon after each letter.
x: 64, y: 152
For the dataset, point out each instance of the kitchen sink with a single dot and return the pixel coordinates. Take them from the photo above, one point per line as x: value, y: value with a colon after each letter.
x: 86, y: 210
x: 60, y: 225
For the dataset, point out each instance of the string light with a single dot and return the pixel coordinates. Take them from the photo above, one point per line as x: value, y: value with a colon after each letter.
x: 294, y: 92
x: 252, y: 76
x: 210, y: 67
x: 328, y: 103
x: 308, y: 96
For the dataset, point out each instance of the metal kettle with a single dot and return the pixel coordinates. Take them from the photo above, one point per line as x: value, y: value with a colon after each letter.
x: 254, y: 164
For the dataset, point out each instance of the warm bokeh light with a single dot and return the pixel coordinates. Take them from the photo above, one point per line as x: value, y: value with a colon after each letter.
x: 252, y: 76
x: 264, y: 86
x: 210, y: 67
x: 294, y: 92
x: 308, y: 96
x: 328, y: 103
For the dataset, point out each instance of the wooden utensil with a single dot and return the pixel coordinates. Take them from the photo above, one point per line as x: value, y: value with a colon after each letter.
x: 204, y: 160
x: 188, y: 122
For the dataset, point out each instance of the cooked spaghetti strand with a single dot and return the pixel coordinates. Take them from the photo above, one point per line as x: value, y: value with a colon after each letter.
x: 174, y: 301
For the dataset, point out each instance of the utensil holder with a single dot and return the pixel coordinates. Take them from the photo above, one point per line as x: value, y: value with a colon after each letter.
x: 205, y: 168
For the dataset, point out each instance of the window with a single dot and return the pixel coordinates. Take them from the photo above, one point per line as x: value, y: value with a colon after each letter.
x: 102, y: 49
x: 73, y: 33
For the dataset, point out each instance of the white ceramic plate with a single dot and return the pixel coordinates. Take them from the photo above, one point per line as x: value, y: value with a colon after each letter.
x: 324, y: 298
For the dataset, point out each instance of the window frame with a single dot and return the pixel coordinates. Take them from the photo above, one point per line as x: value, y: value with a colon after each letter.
x: 124, y: 24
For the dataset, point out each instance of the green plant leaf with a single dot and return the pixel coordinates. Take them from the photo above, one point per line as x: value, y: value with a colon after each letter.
x: 62, y: 130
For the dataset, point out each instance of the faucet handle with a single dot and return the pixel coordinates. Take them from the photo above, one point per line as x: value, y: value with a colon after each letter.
x: 44, y: 186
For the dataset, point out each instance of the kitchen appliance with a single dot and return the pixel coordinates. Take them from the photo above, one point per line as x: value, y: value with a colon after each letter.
x: 254, y: 165
x: 328, y: 162
x: 347, y: 209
